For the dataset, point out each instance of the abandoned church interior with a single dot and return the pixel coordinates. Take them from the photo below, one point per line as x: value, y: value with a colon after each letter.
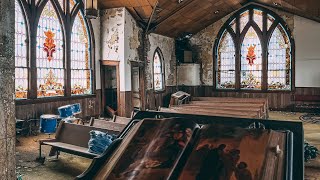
x: 159, y: 89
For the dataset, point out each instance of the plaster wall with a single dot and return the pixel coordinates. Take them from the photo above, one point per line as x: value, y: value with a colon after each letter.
x: 307, y: 38
x: 96, y: 30
x: 132, y: 45
x: 189, y: 74
x: 167, y: 47
x: 112, y: 40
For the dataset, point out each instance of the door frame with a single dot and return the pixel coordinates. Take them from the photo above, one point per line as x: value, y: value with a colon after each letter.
x: 141, y: 83
x: 102, y: 79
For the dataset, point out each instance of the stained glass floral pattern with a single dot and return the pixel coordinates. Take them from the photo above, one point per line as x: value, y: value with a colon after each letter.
x: 251, y: 61
x: 50, y: 66
x: 225, y: 72
x: 279, y: 61
x: 80, y: 64
x: 157, y: 72
x: 21, y: 70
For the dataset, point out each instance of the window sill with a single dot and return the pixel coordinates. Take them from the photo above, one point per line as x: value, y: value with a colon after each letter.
x: 51, y: 99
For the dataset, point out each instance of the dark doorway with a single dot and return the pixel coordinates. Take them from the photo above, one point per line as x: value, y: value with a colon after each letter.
x: 110, y: 87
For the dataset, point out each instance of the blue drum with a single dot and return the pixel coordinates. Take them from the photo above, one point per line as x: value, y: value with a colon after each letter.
x: 76, y: 108
x: 65, y: 111
x: 48, y: 123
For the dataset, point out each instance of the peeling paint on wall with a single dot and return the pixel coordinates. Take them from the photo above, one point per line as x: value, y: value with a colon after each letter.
x: 167, y: 47
x: 112, y: 29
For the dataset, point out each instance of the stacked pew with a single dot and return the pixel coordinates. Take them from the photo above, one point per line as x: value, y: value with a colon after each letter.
x: 220, y: 106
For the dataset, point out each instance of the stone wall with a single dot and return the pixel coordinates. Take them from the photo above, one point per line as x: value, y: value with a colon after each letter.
x: 167, y: 47
x: 7, y: 109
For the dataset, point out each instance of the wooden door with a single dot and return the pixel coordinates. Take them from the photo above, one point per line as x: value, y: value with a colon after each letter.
x: 136, y: 97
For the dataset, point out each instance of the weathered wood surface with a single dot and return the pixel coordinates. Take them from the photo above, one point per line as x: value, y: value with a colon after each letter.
x: 72, y: 138
x: 212, y: 113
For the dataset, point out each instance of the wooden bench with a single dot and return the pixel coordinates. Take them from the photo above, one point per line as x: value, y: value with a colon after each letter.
x: 258, y: 110
x: 104, y: 124
x: 212, y: 113
x: 73, y: 139
x: 231, y: 100
x: 309, y: 103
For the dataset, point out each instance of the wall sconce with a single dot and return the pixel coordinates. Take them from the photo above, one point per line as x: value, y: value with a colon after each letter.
x: 91, y: 9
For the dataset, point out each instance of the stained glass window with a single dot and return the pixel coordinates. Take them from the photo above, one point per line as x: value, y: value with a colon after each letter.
x: 21, y: 71
x: 225, y: 71
x: 80, y: 64
x: 157, y: 71
x: 257, y: 17
x: 279, y: 60
x: 257, y: 70
x: 251, y: 61
x: 50, y: 66
x: 244, y: 19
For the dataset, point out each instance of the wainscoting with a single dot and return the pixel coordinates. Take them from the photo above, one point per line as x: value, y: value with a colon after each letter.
x: 28, y: 109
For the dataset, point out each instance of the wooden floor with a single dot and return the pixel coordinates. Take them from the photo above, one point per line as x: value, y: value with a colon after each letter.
x: 68, y: 166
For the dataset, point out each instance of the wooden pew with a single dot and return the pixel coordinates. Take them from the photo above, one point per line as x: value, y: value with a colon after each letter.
x: 257, y: 110
x: 104, y: 124
x: 73, y: 139
x: 212, y: 113
x: 231, y: 100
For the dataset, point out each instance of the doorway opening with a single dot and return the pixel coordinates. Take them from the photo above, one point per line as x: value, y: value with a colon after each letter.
x: 110, y: 87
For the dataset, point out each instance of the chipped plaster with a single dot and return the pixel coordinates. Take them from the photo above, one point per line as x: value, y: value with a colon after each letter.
x: 167, y: 47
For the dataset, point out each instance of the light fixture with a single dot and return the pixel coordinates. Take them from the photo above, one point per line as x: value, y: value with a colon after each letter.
x: 216, y: 12
x: 180, y: 1
x: 276, y: 4
x: 91, y: 9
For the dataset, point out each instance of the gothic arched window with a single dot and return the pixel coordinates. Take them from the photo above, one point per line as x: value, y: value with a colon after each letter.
x: 53, y: 49
x: 21, y: 63
x: 254, y: 52
x: 158, y: 73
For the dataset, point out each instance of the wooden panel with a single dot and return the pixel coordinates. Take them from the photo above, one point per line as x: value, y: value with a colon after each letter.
x: 172, y: 19
x: 90, y: 107
x: 125, y: 107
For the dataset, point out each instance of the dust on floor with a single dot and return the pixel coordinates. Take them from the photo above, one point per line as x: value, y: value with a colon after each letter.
x: 69, y: 166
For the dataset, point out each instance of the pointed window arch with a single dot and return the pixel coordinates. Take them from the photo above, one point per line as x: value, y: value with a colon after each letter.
x: 226, y: 62
x: 158, y: 71
x: 50, y: 66
x: 54, y: 54
x: 80, y: 57
x: 21, y: 63
x: 251, y: 61
x: 260, y: 45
